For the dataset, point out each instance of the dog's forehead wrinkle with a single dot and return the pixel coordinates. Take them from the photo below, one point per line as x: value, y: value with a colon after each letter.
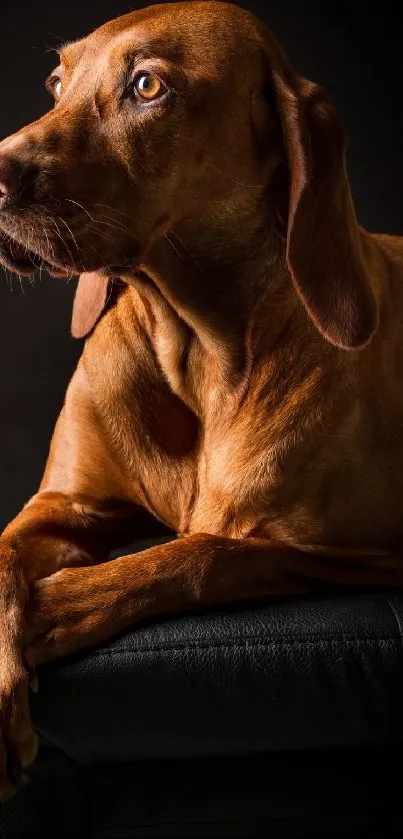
x: 183, y: 30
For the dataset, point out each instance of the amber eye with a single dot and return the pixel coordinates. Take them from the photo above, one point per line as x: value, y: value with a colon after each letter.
x: 148, y: 87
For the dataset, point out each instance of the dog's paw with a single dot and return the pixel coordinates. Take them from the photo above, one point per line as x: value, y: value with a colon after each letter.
x: 18, y: 741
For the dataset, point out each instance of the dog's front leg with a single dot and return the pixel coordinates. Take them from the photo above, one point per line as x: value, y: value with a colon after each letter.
x: 18, y: 742
x: 75, y: 609
x: 53, y: 531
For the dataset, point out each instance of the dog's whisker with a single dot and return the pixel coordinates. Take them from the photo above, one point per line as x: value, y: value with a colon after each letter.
x: 70, y: 200
x: 104, y: 238
x: 233, y: 180
x: 65, y: 245
x: 8, y: 278
x: 186, y: 249
x: 166, y: 236
x: 118, y: 227
x: 69, y: 230
x: 113, y: 210
x: 50, y: 247
x: 94, y: 249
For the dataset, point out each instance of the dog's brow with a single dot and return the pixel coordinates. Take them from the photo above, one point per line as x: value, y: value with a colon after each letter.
x: 158, y: 47
x: 70, y: 52
x: 134, y: 55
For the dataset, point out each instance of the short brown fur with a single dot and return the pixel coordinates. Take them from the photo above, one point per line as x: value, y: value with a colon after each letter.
x: 241, y: 381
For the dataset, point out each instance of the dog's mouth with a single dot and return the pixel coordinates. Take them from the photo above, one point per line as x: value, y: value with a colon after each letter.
x: 16, y: 257
x: 21, y: 260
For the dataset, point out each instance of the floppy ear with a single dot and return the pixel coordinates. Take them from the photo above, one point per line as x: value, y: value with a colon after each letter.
x: 89, y: 302
x: 324, y: 243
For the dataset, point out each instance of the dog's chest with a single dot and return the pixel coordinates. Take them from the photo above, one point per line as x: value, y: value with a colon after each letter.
x: 153, y: 435
x: 185, y: 450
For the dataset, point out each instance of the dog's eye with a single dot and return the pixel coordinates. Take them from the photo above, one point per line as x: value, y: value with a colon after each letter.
x: 148, y: 87
x: 57, y: 89
x: 54, y: 86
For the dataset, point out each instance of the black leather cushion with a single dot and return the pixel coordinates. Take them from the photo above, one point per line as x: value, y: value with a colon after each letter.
x: 285, y: 676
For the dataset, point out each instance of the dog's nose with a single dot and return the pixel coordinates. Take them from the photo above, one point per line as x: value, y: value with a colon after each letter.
x: 10, y: 179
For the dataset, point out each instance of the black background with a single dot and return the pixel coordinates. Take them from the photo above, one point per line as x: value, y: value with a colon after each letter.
x: 352, y: 49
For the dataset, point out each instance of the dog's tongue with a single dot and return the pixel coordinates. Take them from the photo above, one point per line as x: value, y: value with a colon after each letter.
x: 89, y: 302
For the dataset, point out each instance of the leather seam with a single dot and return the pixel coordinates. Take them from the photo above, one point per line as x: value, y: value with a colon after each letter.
x: 245, y: 645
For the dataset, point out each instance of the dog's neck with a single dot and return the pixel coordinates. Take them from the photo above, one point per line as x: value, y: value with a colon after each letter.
x: 213, y: 307
x: 216, y: 280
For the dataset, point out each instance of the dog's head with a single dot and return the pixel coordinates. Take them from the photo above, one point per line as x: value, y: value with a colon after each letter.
x: 161, y: 114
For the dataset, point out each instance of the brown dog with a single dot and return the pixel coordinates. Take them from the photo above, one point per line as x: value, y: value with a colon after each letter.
x: 244, y: 383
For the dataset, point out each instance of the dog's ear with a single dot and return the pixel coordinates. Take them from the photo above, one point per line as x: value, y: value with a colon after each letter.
x: 324, y: 243
x: 89, y: 302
